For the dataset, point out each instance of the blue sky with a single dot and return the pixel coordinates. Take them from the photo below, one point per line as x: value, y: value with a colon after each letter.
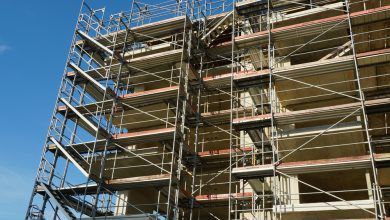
x: 34, y: 41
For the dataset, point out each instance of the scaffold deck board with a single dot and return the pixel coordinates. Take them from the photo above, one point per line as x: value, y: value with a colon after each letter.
x: 323, y: 113
x: 146, y: 136
x: 140, y: 181
x: 150, y: 96
x: 310, y: 28
x: 325, y: 206
x: 125, y: 139
x: 310, y: 166
x: 144, y: 32
x: 223, y: 197
x: 145, y: 216
x: 136, y: 99
x: 224, y: 153
x: 150, y: 61
x: 159, y: 180
x: 223, y: 116
x: 241, y: 79
x: 137, y: 65
x: 256, y: 78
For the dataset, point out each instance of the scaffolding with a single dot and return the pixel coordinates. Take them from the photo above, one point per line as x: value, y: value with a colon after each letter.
x: 221, y: 109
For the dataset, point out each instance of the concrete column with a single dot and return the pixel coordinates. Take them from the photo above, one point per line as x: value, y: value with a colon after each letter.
x: 369, y: 185
x: 121, y: 203
x: 293, y: 190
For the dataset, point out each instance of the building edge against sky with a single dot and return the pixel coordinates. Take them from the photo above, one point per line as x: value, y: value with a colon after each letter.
x: 199, y: 109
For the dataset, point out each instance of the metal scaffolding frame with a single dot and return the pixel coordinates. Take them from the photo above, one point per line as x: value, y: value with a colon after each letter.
x: 221, y: 109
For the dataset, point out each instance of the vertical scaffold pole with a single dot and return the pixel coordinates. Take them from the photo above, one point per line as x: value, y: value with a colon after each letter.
x: 379, y: 209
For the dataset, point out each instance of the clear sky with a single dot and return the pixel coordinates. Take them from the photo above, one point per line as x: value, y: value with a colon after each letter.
x: 34, y: 41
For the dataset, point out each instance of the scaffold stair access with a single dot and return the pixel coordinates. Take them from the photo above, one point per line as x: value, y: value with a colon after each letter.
x: 58, y: 201
x: 222, y: 24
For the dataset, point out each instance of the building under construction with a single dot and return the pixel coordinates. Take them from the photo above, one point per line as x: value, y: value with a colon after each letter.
x: 221, y: 109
